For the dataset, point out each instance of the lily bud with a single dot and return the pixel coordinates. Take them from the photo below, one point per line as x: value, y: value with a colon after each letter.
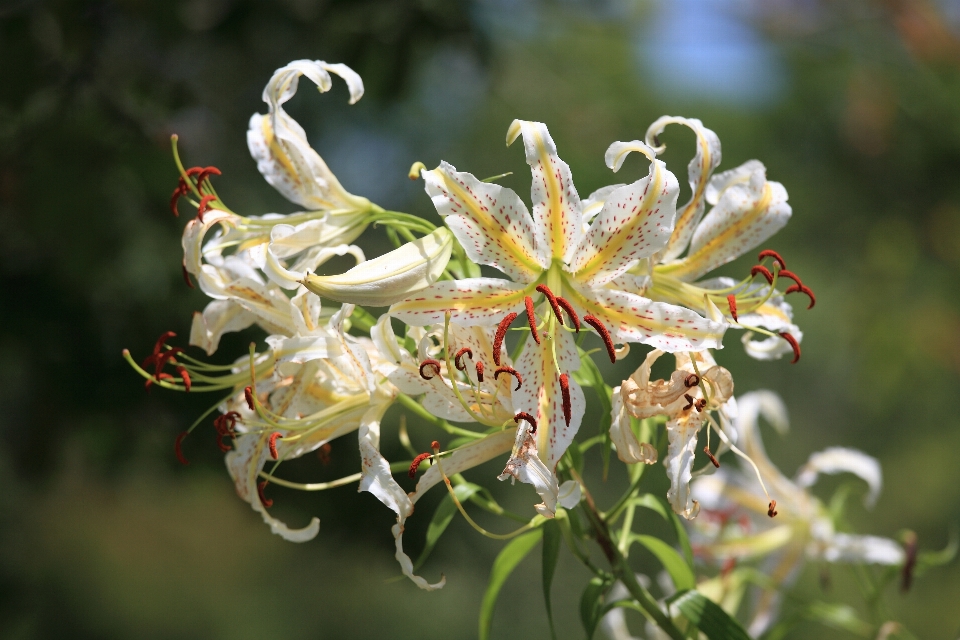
x: 391, y: 277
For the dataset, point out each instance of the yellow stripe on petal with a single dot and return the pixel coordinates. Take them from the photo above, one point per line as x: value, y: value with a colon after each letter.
x: 699, y: 170
x: 636, y: 221
x: 745, y: 215
x: 490, y: 221
x: 556, y: 204
x: 540, y: 394
x: 632, y: 318
x: 470, y: 302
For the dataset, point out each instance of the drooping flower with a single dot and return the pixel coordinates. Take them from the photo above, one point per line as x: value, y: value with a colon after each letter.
x: 696, y: 388
x: 552, y: 257
x: 284, y: 247
x: 747, y: 209
x: 737, y: 526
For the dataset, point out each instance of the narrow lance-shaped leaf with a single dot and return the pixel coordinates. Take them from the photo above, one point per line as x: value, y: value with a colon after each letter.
x: 672, y: 561
x: 503, y: 566
x: 551, y: 553
x: 591, y: 605
x: 707, y: 616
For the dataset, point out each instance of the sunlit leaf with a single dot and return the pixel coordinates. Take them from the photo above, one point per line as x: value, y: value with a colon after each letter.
x: 551, y: 553
x: 707, y: 616
x: 591, y: 605
x: 672, y: 561
x: 507, y: 560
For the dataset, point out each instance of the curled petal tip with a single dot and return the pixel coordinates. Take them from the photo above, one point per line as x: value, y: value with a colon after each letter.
x: 514, y: 131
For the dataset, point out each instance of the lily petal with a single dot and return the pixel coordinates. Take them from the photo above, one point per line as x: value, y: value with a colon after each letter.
x: 845, y: 547
x: 471, y: 302
x: 218, y: 317
x: 391, y: 277
x: 746, y: 214
x: 244, y: 464
x: 635, y: 222
x: 490, y: 221
x: 527, y: 467
x: 842, y: 460
x: 632, y: 318
x: 629, y: 449
x: 556, y: 205
x: 541, y: 395
x: 279, y: 144
x: 682, y: 436
x: 461, y: 459
x: 699, y: 170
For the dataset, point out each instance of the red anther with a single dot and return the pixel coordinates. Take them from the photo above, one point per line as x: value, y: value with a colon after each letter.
x: 523, y: 415
x: 531, y: 319
x: 772, y: 510
x: 732, y: 303
x: 511, y: 371
x: 193, y: 171
x: 691, y: 380
x: 177, y: 448
x: 429, y: 362
x: 770, y: 253
x: 689, y: 401
x: 763, y: 271
x: 712, y: 457
x: 602, y: 330
x: 910, y: 547
x: 185, y: 376
x: 181, y: 190
x: 272, y: 444
x: 323, y: 453
x: 248, y: 396
x: 794, y: 288
x: 501, y: 333
x: 206, y: 172
x: 479, y: 366
x: 793, y: 344
x: 435, y: 445
x: 456, y: 359
x: 565, y: 304
x: 186, y: 277
x: 265, y: 501
x: 728, y: 565
x: 202, y: 207
x: 416, y: 464
x: 545, y: 290
x: 700, y: 404
x: 790, y: 275
x: 565, y: 394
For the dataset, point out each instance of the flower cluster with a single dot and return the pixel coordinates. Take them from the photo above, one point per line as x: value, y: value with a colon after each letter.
x: 502, y: 363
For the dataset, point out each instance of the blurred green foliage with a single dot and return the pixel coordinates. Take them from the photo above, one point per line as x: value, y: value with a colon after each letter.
x: 103, y: 535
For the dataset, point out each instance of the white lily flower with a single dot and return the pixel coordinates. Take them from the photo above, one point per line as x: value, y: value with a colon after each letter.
x: 548, y: 256
x: 285, y: 247
x: 735, y: 525
x: 682, y: 400
x: 747, y: 210
x: 391, y: 277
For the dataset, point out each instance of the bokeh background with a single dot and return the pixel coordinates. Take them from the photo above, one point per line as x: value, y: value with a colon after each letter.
x: 853, y: 104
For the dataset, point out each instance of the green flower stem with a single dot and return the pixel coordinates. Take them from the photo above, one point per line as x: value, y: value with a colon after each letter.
x: 621, y: 569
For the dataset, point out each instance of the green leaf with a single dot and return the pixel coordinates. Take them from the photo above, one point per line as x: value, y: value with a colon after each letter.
x: 591, y: 605
x: 661, y: 506
x: 551, y: 553
x: 707, y: 616
x: 672, y: 561
x: 442, y: 518
x: 503, y: 566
